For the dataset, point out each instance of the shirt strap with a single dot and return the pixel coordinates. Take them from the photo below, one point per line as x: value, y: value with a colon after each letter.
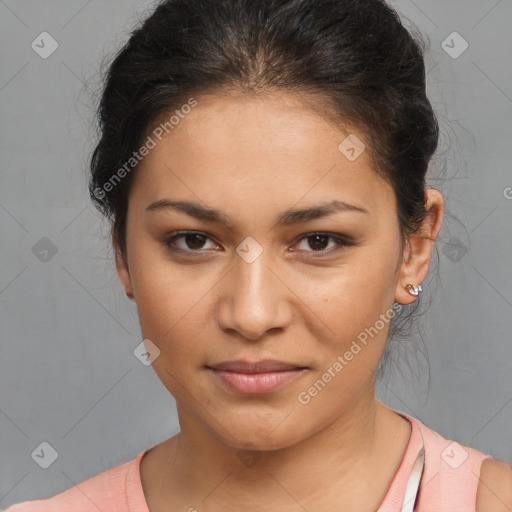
x: 413, y: 484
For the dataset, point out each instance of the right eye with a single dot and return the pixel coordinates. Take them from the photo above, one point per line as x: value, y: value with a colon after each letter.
x: 192, y: 241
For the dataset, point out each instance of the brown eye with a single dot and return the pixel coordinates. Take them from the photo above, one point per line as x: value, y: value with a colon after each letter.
x: 318, y: 242
x: 192, y: 241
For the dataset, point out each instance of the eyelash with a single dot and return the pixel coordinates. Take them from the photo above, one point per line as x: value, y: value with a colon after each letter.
x: 341, y: 241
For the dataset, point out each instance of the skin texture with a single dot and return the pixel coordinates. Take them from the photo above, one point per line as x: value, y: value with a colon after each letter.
x: 495, y: 488
x: 253, y: 158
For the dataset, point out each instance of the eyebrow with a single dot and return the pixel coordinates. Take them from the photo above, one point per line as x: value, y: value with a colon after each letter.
x: 286, y: 218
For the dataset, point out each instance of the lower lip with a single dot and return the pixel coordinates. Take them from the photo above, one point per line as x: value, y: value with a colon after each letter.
x: 256, y: 383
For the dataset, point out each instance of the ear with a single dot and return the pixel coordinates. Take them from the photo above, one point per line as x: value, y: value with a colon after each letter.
x: 122, y: 270
x: 418, y: 248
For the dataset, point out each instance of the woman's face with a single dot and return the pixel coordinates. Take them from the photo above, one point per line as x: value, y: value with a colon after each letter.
x: 262, y: 286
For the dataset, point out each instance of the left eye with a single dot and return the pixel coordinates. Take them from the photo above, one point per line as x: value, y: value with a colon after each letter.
x: 194, y: 241
x: 318, y: 241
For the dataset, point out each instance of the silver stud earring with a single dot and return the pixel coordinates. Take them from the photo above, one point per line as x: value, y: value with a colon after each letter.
x: 414, y: 290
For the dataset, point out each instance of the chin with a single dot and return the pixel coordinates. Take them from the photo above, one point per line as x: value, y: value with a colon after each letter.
x: 260, y: 431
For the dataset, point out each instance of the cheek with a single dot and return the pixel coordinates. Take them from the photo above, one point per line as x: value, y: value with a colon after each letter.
x: 351, y: 303
x: 170, y: 313
x: 355, y: 294
x: 165, y: 291
x: 174, y: 309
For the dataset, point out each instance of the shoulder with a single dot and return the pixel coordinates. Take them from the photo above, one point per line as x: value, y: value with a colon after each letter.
x: 495, y: 486
x: 106, y: 491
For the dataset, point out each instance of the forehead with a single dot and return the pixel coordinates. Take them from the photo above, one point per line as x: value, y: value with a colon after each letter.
x: 266, y: 150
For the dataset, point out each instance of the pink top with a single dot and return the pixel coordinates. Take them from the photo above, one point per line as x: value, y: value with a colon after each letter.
x: 449, y: 482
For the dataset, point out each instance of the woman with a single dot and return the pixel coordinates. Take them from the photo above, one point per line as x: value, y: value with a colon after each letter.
x: 263, y: 163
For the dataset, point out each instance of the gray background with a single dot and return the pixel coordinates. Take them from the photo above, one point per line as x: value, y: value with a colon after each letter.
x: 68, y: 373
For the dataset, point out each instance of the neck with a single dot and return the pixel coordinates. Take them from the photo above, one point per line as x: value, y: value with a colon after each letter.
x: 343, y: 461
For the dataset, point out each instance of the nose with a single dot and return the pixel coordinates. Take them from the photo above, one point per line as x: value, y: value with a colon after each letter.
x: 254, y: 298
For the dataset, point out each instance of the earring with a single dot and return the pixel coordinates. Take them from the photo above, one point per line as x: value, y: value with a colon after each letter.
x: 414, y: 290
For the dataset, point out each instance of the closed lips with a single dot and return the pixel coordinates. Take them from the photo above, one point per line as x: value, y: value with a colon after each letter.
x: 257, y: 367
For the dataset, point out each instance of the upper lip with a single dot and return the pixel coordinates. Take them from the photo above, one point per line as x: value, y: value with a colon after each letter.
x: 268, y: 365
